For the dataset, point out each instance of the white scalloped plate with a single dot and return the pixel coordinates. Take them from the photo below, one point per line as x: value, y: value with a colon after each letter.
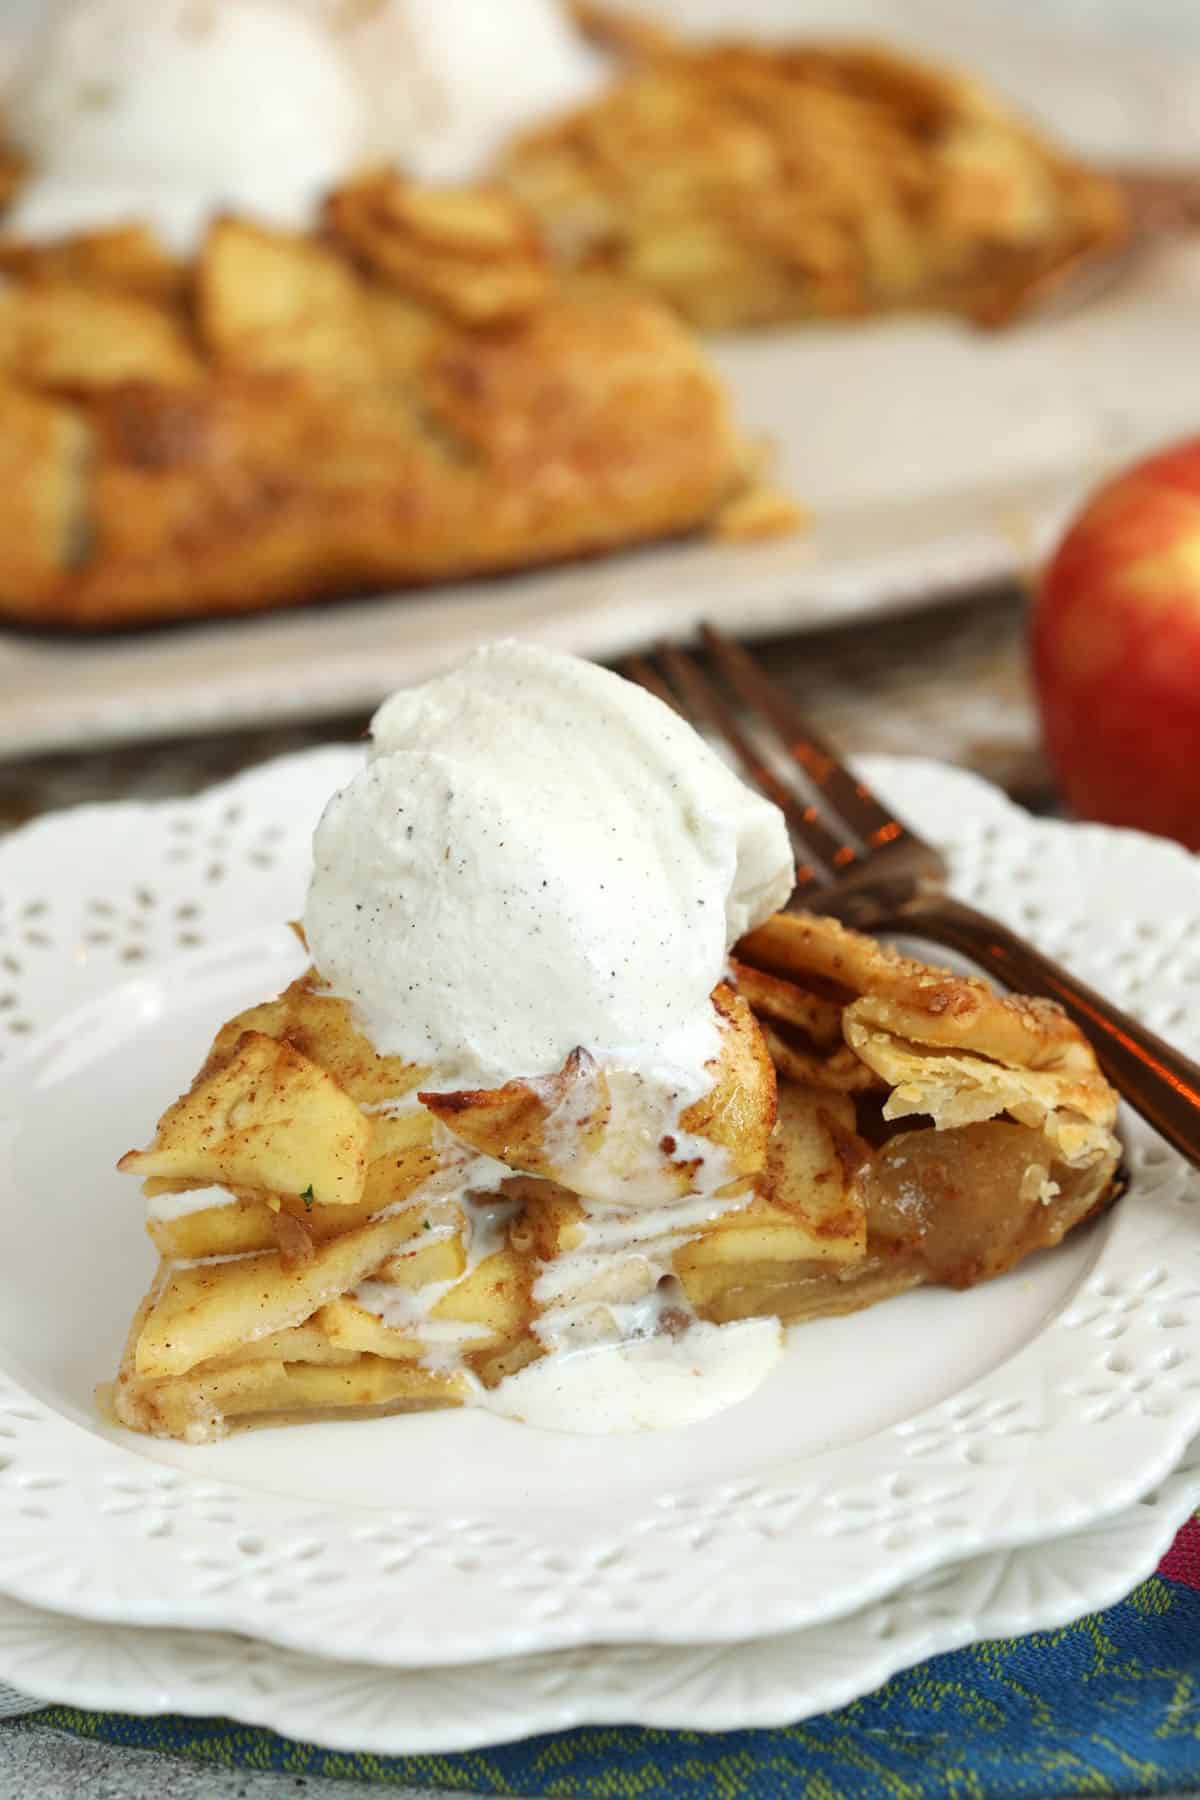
x: 922, y: 1432
x: 736, y: 1687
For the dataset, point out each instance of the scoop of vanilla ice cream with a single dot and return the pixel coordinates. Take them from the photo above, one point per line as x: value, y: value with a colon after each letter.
x: 169, y: 111
x: 538, y: 855
x: 449, y: 81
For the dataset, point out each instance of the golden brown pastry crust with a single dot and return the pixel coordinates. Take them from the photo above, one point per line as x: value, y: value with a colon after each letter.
x: 946, y: 1046
x: 411, y: 396
x: 753, y: 185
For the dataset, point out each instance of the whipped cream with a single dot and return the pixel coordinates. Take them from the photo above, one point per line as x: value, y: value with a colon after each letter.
x: 539, y: 855
x: 170, y: 111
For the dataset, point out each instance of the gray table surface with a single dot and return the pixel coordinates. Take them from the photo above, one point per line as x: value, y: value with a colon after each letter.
x: 38, y: 1763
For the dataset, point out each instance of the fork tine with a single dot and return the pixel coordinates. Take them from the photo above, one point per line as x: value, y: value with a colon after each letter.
x: 643, y: 671
x: 848, y: 799
x: 817, y: 848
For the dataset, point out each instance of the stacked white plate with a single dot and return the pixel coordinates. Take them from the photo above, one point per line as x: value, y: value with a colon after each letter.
x: 942, y: 1467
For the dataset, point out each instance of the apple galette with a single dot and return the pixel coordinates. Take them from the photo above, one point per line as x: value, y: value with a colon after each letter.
x: 338, y: 1240
x: 753, y: 184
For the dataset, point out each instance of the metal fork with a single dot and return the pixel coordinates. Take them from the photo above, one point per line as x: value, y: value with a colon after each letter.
x: 856, y: 861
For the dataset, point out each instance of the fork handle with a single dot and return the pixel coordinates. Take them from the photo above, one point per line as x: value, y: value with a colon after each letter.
x: 1159, y: 1082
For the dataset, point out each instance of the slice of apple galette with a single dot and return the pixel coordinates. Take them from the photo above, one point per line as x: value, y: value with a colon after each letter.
x: 337, y: 1240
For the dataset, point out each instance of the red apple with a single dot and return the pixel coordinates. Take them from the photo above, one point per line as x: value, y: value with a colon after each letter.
x: 1116, y: 650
